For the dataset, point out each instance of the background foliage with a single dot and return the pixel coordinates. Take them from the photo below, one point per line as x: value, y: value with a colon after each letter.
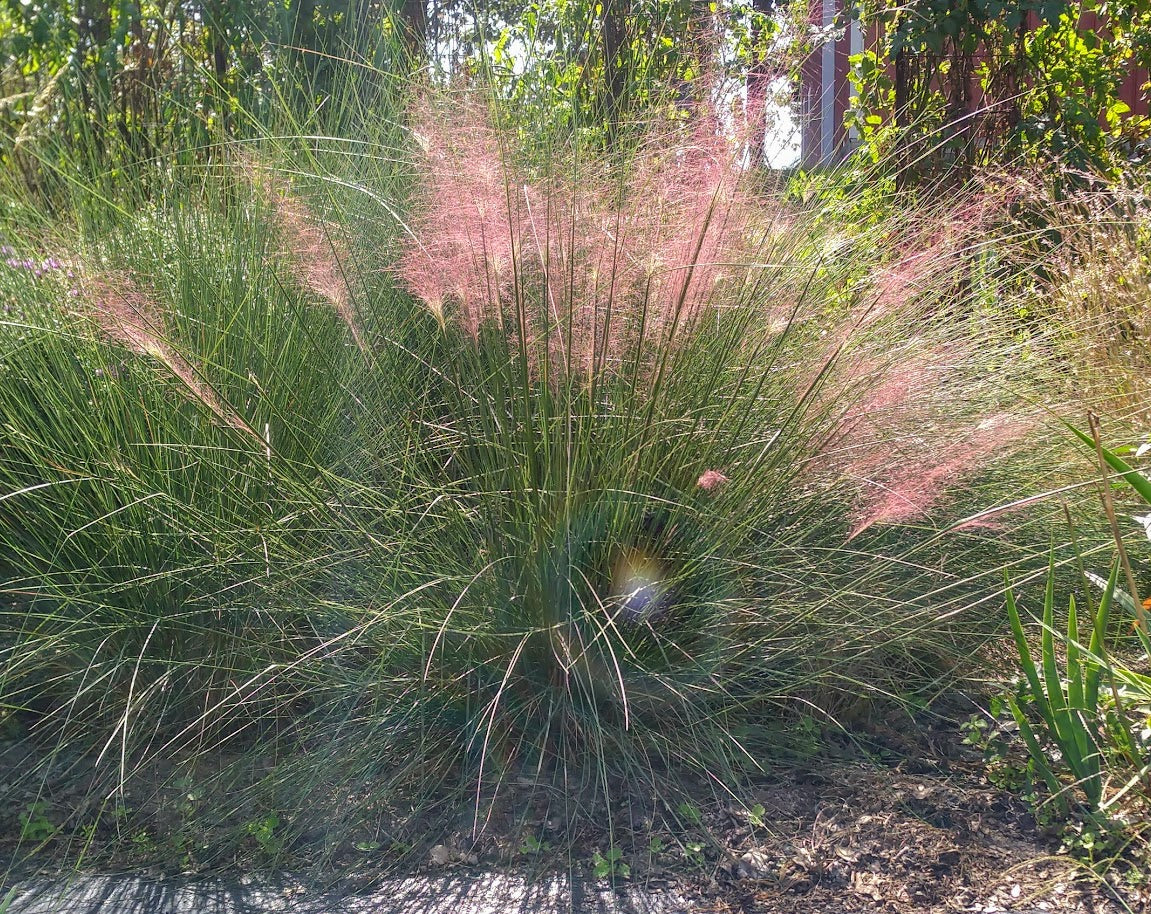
x: 1043, y: 82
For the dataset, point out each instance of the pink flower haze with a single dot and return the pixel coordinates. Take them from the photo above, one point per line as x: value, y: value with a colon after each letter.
x: 470, y: 219
x: 932, y: 256
x: 580, y: 265
x: 588, y: 269
x: 899, y: 390
x: 130, y: 318
x: 917, y: 483
x: 316, y: 259
x: 903, y: 439
x: 902, y: 433
x: 711, y: 480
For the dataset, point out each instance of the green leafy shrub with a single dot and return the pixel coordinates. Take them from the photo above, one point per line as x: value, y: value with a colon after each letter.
x: 1084, y: 720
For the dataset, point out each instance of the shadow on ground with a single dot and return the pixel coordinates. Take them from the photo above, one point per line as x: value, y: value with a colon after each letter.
x: 479, y: 893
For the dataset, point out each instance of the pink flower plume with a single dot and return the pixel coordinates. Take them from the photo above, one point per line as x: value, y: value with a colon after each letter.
x: 711, y: 480
x: 317, y: 260
x: 579, y: 265
x: 910, y: 488
x: 128, y: 317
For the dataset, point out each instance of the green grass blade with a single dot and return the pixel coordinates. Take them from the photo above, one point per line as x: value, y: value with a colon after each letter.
x: 1081, y: 716
x: 1098, y: 637
x: 1133, y: 477
x: 1066, y: 726
x: 1075, y: 685
x: 1038, y: 756
x: 1027, y: 662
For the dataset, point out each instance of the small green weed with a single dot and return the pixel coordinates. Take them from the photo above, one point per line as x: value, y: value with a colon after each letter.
x: 263, y: 832
x: 690, y: 813
x: 992, y: 734
x: 1093, y: 839
x: 145, y: 845
x: 610, y: 865
x: 188, y: 799
x: 805, y: 737
x: 35, y: 826
x: 533, y: 845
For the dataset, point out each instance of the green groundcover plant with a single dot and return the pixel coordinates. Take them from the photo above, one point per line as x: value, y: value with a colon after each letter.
x: 349, y: 484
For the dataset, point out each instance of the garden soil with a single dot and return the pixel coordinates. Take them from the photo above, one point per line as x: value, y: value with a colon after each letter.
x: 877, y: 832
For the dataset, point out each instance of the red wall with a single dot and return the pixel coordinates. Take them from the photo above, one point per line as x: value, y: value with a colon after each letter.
x: 1132, y: 91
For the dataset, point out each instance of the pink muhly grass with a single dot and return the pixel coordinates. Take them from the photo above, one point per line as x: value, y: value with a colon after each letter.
x: 125, y: 315
x: 316, y: 259
x: 711, y: 480
x: 577, y: 263
x: 900, y: 440
x: 931, y: 258
x: 693, y: 216
x: 898, y: 390
x: 469, y: 224
x: 901, y: 282
x: 914, y: 485
x: 848, y: 362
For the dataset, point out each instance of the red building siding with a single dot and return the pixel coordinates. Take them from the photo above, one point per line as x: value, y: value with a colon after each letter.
x: 825, y: 89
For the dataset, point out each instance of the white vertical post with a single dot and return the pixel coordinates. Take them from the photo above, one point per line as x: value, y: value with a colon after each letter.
x: 827, y: 87
x: 855, y: 30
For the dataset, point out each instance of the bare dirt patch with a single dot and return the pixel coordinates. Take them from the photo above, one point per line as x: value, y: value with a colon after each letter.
x: 925, y: 832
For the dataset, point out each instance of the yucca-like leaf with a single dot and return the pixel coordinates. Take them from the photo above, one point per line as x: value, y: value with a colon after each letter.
x: 1066, y: 725
x: 1038, y: 755
x: 1098, y: 636
x: 1026, y: 661
x: 1133, y: 477
x: 1068, y: 706
x: 1075, y: 672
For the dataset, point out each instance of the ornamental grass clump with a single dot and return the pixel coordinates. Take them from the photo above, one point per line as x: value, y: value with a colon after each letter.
x: 315, y: 255
x: 617, y: 351
x: 580, y: 494
x: 164, y: 463
x: 1094, y: 285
